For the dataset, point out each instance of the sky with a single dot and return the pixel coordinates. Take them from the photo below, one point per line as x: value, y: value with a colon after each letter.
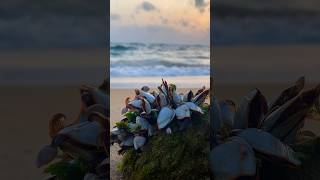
x: 165, y: 21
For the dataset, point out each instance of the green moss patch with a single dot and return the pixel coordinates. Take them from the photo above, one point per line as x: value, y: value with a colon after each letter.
x: 180, y: 155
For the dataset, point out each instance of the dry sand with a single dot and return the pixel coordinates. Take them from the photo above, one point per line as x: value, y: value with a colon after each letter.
x: 25, y: 112
x: 181, y: 81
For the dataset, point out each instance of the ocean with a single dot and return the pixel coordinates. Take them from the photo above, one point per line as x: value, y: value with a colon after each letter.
x: 149, y: 60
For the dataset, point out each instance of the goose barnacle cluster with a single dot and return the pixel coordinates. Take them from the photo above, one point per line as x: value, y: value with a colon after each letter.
x: 163, y: 110
x: 256, y: 127
x: 86, y: 138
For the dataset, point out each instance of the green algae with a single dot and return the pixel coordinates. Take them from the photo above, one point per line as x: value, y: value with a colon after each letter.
x: 180, y: 155
x: 65, y: 170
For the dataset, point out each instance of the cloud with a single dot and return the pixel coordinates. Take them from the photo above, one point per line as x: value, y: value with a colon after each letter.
x: 115, y: 17
x: 147, y: 6
x: 201, y: 5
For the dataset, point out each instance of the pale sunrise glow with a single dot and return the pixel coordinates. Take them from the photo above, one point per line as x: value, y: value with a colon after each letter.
x: 165, y: 21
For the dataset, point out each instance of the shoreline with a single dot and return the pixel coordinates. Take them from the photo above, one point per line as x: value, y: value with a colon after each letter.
x: 153, y: 82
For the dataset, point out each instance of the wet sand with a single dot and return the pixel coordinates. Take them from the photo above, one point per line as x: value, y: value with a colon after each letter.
x: 25, y: 112
x: 180, y: 81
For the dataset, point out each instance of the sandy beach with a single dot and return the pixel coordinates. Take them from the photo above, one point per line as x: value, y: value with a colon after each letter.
x: 35, y: 84
x: 25, y: 112
x: 179, y: 81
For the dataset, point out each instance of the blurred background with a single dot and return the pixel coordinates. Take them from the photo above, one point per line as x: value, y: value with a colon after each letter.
x: 47, y: 50
x: 266, y: 22
x: 266, y: 45
x: 265, y: 41
x: 63, y: 41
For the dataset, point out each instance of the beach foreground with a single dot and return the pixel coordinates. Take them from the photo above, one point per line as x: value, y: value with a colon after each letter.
x: 222, y: 91
x: 25, y: 114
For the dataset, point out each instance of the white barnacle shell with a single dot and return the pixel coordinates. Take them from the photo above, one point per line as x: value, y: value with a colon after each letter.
x: 85, y: 132
x: 127, y: 142
x: 182, y: 111
x: 192, y: 106
x: 264, y: 143
x: 139, y: 141
x: 165, y: 116
x: 232, y: 159
x: 137, y: 103
x: 150, y: 98
x: 144, y: 125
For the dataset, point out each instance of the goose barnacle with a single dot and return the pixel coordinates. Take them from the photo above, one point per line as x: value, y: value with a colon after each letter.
x: 201, y: 97
x: 182, y: 112
x: 273, y: 133
x: 145, y: 125
x: 145, y: 88
x: 188, y: 96
x: 161, y: 100
x: 227, y: 109
x: 139, y: 141
x: 149, y: 97
x: 193, y: 107
x: 165, y: 116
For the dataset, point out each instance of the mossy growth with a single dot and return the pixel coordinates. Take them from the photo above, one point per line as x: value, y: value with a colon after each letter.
x: 316, y: 109
x: 65, y: 170
x: 180, y: 155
